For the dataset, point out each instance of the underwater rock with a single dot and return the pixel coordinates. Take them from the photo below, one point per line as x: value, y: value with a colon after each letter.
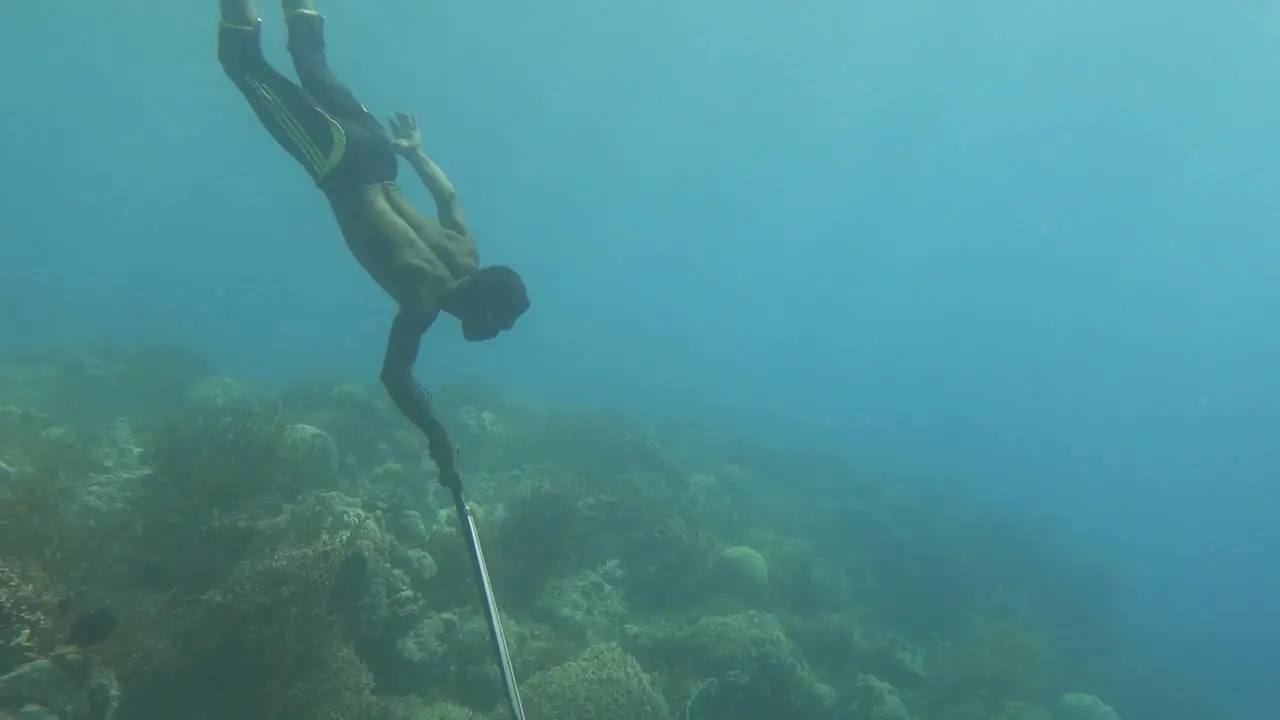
x: 743, y: 572
x: 875, y: 699
x: 1082, y: 706
x: 603, y: 682
x: 71, y: 685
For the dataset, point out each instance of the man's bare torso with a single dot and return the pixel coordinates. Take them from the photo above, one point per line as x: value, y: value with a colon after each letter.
x: 414, y: 259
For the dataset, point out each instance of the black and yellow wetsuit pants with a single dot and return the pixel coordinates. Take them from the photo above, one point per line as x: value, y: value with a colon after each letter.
x: 319, y: 122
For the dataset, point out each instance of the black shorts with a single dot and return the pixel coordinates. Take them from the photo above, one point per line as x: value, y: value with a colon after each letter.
x: 320, y: 123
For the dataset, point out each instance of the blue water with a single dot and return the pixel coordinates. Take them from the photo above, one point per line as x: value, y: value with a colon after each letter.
x: 1028, y: 246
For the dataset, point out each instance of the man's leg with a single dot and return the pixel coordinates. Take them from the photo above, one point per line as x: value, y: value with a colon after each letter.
x: 290, y: 114
x: 307, y: 48
x: 239, y: 13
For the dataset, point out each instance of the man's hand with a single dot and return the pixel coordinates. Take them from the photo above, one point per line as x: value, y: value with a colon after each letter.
x: 407, y: 138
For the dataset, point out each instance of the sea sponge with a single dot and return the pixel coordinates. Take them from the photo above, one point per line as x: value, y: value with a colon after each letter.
x: 603, y: 682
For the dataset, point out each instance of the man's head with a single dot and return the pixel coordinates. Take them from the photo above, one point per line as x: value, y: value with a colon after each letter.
x: 489, y: 302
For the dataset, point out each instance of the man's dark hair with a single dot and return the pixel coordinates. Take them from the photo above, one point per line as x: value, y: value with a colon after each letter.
x: 495, y: 298
x: 503, y: 290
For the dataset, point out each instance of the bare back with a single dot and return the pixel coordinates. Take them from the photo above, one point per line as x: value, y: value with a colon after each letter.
x: 408, y: 262
x: 454, y: 246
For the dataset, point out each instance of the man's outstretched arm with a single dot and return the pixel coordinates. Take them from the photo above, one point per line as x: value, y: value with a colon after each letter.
x: 408, y: 142
x: 409, y: 398
x: 442, y: 191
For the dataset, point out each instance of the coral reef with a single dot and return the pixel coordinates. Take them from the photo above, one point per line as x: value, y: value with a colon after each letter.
x: 603, y: 682
x: 738, y: 665
x: 743, y: 572
x: 875, y: 699
x: 288, y: 555
x: 38, y: 674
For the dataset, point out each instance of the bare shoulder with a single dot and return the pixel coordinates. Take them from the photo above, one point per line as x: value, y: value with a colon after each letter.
x: 457, y: 251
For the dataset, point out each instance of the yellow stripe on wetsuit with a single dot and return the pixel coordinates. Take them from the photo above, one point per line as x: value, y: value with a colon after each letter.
x: 319, y: 165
